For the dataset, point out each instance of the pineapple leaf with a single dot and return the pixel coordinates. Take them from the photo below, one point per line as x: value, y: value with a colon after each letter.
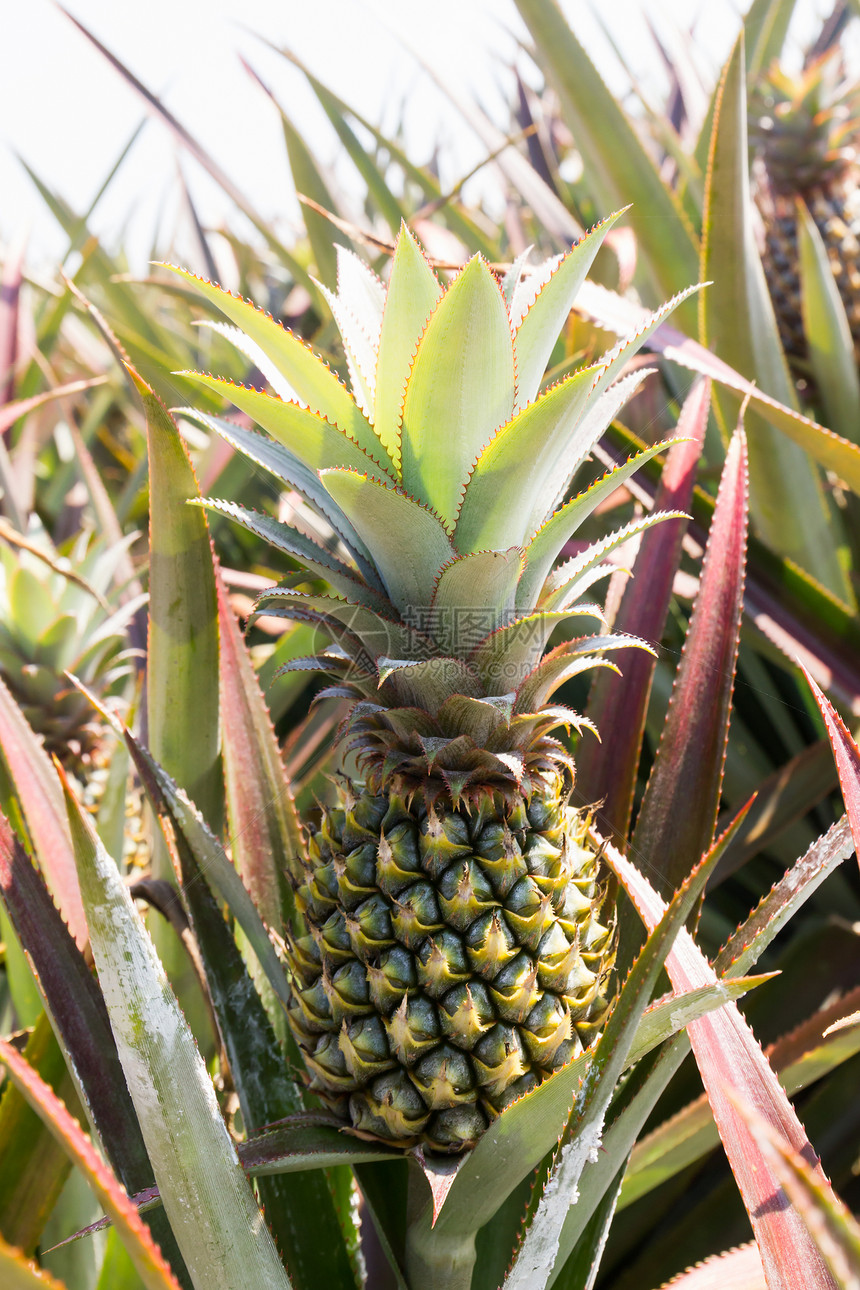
x: 148, y: 1261
x: 518, y: 473
x: 609, y: 773
x: 510, y: 653
x: 306, y: 434
x: 827, y: 331
x: 410, y: 545
x: 211, y: 858
x: 208, y: 1200
x: 832, y: 1228
x: 268, y: 841
x: 618, y: 165
x: 311, y: 378
x: 568, y: 584
x: 41, y: 804
x: 182, y: 689
x: 733, y: 1066
x: 543, y: 550
x: 539, y: 329
x: 847, y: 756
x: 475, y: 594
x: 688, y: 766
x: 737, y: 320
x: 21, y: 1273
x: 285, y: 466
x: 413, y: 292
x: 357, y: 310
x: 81, y: 1020
x: 459, y: 391
x: 299, y: 1213
x: 427, y: 683
x: 310, y: 554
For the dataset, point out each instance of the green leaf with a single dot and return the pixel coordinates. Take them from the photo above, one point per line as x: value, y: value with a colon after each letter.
x: 306, y: 434
x: 738, y: 322
x: 618, y: 167
x: 542, y: 322
x: 544, y: 548
x: 308, y: 181
x: 285, y: 466
x: 408, y: 542
x: 460, y: 389
x: 413, y: 292
x: 207, y: 1198
x: 35, y: 1166
x: 20, y: 1273
x: 520, y: 472
x: 766, y: 27
x: 475, y: 593
x: 314, y: 382
x: 152, y: 1269
x: 828, y: 334
x: 183, y: 626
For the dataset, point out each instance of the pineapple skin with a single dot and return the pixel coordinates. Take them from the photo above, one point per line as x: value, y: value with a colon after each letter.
x: 455, y: 957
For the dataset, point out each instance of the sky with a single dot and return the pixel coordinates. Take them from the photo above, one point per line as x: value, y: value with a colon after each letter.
x: 68, y: 114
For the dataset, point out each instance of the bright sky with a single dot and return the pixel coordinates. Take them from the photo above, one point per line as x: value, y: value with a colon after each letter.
x: 66, y: 112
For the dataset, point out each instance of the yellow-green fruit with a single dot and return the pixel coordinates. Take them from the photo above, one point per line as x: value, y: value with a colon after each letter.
x: 454, y: 957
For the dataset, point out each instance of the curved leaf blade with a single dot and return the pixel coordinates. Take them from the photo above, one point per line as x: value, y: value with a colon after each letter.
x: 207, y: 1198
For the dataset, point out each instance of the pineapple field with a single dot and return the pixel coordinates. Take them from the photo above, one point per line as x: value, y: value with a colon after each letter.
x: 430, y: 692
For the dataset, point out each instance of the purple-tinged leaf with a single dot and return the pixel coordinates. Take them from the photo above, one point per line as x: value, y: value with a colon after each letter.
x: 619, y: 704
x: 729, y: 1058
x: 832, y: 1227
x: 80, y: 1018
x: 19, y: 1273
x: 151, y: 1267
x: 679, y: 811
x: 738, y: 1269
x: 847, y: 756
x: 11, y: 412
x: 10, y: 294
x: 268, y: 841
x: 41, y: 802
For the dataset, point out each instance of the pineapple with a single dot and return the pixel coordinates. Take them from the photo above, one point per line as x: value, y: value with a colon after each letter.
x: 54, y: 618
x: 804, y: 130
x: 459, y: 938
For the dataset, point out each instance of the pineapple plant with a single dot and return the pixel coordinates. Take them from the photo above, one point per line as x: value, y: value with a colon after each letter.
x: 804, y: 129
x: 55, y: 617
x: 458, y: 942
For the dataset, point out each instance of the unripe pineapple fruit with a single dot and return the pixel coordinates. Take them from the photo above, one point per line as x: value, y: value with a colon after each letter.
x: 458, y: 942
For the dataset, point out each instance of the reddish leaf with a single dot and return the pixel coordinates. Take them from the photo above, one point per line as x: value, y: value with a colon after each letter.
x: 44, y: 814
x: 618, y: 704
x: 679, y: 810
x: 731, y: 1061
x: 19, y: 1273
x: 847, y: 756
x: 10, y: 291
x: 264, y: 825
x: 152, y: 1269
x: 739, y: 1269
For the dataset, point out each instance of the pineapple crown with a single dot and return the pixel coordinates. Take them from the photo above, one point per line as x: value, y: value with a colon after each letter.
x: 442, y: 480
x: 804, y: 127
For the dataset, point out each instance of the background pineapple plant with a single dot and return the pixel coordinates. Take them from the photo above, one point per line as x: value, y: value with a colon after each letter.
x: 469, y: 1231
x: 805, y: 130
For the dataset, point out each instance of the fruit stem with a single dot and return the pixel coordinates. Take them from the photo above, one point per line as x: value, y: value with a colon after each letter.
x: 434, y: 1259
